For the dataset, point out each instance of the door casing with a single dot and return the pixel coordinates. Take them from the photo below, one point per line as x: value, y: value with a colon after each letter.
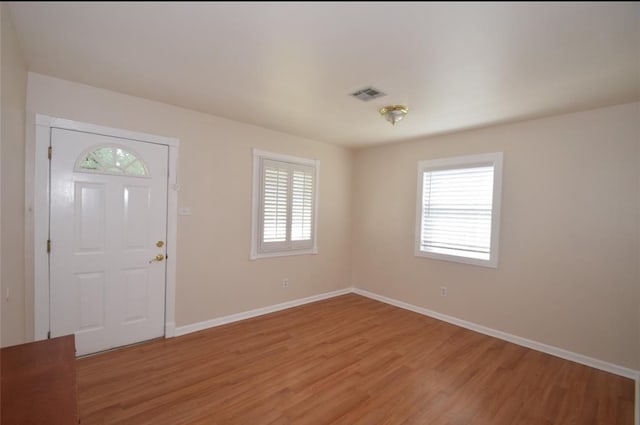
x: 41, y: 194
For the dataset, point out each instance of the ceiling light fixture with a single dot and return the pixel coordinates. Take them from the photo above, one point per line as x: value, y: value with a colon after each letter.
x: 394, y: 113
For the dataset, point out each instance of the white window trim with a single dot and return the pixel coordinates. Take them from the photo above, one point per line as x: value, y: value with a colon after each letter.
x: 494, y: 159
x: 258, y: 155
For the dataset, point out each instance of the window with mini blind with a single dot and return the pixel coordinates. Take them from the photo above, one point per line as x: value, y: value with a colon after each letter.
x: 458, y: 213
x: 284, y: 205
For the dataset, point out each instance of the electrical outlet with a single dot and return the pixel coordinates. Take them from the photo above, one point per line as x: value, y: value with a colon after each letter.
x: 285, y: 283
x: 443, y: 291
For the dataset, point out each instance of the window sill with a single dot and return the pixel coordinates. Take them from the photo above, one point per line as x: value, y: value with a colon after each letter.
x: 257, y: 256
x: 458, y: 259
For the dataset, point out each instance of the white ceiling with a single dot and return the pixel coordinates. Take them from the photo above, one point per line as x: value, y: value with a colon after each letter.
x: 291, y: 66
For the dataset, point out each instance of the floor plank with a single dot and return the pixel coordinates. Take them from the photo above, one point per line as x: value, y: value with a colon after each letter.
x: 344, y: 361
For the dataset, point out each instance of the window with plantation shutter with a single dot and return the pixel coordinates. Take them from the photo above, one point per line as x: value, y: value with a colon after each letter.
x: 459, y: 209
x: 284, y: 204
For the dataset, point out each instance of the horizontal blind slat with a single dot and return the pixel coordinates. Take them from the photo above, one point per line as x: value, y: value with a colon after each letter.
x: 457, y: 209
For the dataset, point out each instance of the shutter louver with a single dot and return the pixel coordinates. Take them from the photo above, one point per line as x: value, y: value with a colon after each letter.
x: 456, y: 211
x: 276, y: 184
x: 301, y: 205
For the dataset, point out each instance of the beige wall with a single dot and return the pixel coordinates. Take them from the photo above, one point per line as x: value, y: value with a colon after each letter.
x: 2, y: 8
x: 568, y: 273
x: 568, y: 267
x: 12, y: 148
x: 214, y: 274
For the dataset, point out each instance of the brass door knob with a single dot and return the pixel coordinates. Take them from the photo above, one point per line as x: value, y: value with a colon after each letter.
x: 158, y: 257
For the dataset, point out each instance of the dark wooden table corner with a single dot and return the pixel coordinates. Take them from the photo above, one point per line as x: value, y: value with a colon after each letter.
x: 39, y: 383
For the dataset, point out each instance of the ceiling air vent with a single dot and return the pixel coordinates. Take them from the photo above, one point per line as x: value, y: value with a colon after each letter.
x: 368, y: 94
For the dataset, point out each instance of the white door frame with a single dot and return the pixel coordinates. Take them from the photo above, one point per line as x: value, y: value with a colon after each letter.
x: 44, y: 124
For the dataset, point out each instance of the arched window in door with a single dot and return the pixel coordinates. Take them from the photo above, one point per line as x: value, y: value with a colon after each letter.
x: 112, y: 159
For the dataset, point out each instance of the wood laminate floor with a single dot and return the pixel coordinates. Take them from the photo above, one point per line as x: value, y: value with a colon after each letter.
x: 347, y: 360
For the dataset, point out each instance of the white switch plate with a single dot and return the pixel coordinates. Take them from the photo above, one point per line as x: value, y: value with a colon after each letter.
x: 184, y: 211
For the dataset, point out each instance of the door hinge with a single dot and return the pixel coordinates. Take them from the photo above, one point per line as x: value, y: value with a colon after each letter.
x: 49, y: 150
x: 48, y: 245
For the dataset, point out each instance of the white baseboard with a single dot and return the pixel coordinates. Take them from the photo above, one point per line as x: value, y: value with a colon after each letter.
x: 195, y: 327
x: 171, y: 330
x: 549, y: 349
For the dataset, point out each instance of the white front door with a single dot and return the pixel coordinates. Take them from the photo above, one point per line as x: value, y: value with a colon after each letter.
x: 108, y: 229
